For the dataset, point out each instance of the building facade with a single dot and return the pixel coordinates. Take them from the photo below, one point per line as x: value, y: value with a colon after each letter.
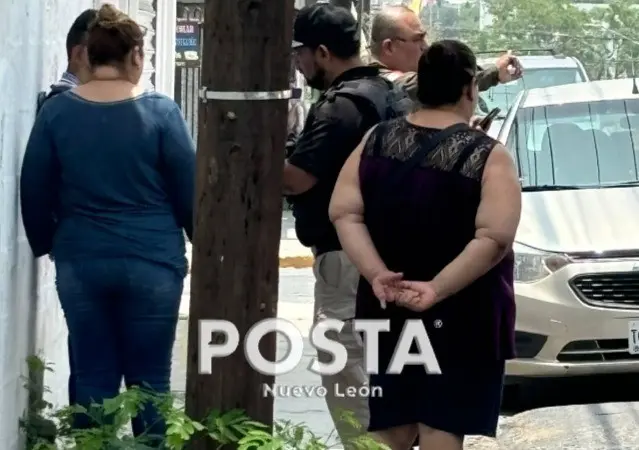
x: 32, y: 56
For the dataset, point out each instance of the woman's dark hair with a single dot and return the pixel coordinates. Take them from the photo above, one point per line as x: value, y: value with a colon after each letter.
x: 445, y: 68
x: 112, y: 36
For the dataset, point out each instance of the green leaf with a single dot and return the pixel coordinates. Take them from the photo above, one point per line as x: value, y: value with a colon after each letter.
x: 198, y: 426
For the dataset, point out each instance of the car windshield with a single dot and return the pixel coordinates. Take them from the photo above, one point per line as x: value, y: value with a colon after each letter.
x: 577, y: 144
x: 503, y: 95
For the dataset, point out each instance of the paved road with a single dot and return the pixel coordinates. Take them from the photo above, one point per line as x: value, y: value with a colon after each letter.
x: 296, y: 302
x: 595, y: 426
x: 295, y: 305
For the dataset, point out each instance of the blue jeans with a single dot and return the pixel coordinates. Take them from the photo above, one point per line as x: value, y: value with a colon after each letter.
x: 122, y: 315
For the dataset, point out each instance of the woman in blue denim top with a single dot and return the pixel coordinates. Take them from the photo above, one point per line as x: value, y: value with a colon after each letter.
x: 107, y: 190
x: 427, y: 209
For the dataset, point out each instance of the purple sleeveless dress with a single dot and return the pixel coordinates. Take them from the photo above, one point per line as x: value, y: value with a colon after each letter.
x: 419, y: 225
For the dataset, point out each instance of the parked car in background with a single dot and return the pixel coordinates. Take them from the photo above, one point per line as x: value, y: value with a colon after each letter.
x: 540, y: 71
x: 577, y: 248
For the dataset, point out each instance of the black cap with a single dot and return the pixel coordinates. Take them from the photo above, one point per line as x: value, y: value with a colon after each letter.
x: 325, y: 24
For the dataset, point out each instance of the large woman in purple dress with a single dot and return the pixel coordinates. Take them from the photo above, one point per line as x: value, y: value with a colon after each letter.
x: 427, y: 209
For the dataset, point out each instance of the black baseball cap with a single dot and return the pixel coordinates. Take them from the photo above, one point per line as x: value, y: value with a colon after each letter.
x: 325, y: 24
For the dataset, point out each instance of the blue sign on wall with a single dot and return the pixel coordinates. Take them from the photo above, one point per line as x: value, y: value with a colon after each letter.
x: 187, y: 42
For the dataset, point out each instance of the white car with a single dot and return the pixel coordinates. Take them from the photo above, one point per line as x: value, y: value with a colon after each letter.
x: 577, y: 247
x: 540, y: 71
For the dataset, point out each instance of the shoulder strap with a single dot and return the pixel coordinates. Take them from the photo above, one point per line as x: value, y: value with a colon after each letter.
x: 428, y: 145
x: 377, y: 135
x: 54, y: 90
x: 42, y: 97
x: 364, y: 93
x: 466, y: 152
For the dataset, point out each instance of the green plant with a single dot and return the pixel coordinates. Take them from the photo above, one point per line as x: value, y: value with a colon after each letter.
x: 47, y: 428
x: 38, y: 428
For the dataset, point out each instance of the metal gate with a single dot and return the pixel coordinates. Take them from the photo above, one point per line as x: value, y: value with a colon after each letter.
x: 187, y: 85
x: 188, y: 63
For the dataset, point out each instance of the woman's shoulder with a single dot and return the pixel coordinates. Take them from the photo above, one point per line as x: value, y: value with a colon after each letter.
x: 152, y: 98
x: 386, y: 124
x: 158, y: 108
x: 162, y: 102
x: 382, y: 130
x: 482, y: 142
x: 158, y: 97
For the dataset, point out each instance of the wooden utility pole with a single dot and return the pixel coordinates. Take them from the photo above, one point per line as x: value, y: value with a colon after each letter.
x: 246, y: 48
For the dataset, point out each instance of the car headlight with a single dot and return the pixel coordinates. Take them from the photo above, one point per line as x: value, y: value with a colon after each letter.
x: 533, y: 265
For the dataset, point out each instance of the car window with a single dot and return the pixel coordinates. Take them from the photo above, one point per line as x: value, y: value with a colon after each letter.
x: 503, y: 95
x: 577, y: 144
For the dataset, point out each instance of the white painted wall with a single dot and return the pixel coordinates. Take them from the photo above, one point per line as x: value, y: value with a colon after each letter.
x: 165, y: 46
x: 32, y: 56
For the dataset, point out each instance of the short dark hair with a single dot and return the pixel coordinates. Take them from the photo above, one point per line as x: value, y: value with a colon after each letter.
x: 444, y: 69
x: 112, y: 36
x: 78, y: 32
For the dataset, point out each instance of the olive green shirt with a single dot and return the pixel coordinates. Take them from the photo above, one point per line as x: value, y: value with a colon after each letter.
x: 486, y: 78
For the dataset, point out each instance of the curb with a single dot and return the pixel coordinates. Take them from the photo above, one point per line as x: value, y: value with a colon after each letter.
x: 286, y: 262
x: 296, y: 262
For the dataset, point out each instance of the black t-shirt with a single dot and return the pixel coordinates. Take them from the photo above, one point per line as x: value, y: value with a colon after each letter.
x: 333, y: 129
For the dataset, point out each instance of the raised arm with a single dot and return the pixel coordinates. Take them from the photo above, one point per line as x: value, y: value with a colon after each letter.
x: 39, y: 184
x: 178, y: 168
x: 486, y: 78
x: 496, y: 224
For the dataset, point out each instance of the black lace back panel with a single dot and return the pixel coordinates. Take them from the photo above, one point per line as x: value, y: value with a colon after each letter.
x: 421, y: 223
x: 402, y: 139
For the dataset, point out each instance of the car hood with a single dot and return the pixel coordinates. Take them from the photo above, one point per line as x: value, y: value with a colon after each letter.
x: 580, y: 220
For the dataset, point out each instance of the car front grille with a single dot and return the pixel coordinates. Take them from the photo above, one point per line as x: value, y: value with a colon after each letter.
x: 602, y: 350
x: 608, y: 290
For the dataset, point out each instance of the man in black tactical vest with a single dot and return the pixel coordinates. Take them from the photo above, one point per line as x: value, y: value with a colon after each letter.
x: 355, y: 97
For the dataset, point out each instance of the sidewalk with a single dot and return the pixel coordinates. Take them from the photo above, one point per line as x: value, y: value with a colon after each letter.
x: 292, y: 253
x: 605, y: 426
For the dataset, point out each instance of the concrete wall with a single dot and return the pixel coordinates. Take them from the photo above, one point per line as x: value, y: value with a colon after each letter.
x: 32, y: 56
x: 164, y: 63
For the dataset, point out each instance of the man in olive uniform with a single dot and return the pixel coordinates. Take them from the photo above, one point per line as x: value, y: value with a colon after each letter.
x: 398, y: 39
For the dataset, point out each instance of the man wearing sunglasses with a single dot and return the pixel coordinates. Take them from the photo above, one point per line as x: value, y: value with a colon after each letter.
x: 398, y: 39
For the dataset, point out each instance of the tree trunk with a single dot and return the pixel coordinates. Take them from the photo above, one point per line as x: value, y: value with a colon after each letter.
x: 238, y: 198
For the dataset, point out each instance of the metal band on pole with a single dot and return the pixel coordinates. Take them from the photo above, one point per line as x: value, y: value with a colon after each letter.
x: 205, y: 95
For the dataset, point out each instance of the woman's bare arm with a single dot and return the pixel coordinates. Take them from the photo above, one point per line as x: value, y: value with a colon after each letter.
x: 496, y: 223
x: 346, y: 211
